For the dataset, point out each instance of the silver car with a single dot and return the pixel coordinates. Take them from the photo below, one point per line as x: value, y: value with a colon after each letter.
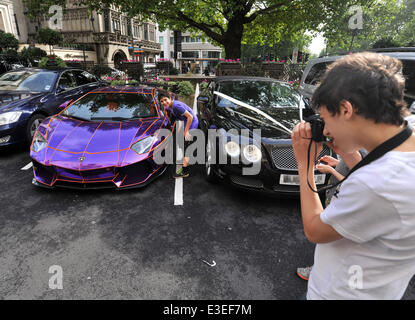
x: 315, y: 70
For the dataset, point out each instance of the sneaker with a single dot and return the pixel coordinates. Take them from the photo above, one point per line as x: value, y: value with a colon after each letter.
x: 181, y: 173
x: 304, y: 273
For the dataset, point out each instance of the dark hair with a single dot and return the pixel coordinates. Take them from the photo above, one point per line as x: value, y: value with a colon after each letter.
x: 163, y: 93
x: 372, y: 83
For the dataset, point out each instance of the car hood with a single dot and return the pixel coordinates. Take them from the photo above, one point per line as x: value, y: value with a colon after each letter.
x: 101, y: 143
x: 9, y: 100
x: 244, y: 118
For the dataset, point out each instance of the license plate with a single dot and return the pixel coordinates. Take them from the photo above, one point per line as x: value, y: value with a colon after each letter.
x: 294, y: 180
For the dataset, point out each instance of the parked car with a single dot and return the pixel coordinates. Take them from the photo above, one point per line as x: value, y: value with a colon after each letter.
x: 106, y: 139
x: 29, y: 95
x: 8, y: 62
x: 117, y: 74
x: 315, y: 70
x: 279, y: 100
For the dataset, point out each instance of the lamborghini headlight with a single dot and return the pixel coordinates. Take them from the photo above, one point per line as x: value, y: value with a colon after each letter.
x: 39, y: 142
x: 252, y: 153
x: 232, y: 148
x: 144, y: 145
x: 9, y: 117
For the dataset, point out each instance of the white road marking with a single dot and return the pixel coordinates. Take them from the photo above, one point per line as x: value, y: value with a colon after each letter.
x: 178, y: 190
x: 178, y: 184
x: 195, y: 101
x: 27, y: 167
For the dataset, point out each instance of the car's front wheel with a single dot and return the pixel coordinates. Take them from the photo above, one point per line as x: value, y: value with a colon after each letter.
x: 34, y: 123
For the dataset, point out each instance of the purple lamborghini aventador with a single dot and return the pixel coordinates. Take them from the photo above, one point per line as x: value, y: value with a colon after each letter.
x: 107, y: 138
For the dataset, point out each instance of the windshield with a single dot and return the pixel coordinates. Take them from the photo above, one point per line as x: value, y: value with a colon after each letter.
x: 112, y: 107
x: 34, y: 81
x: 259, y: 94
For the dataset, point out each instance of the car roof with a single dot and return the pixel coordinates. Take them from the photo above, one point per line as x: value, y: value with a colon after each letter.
x: 407, y: 53
x: 43, y: 69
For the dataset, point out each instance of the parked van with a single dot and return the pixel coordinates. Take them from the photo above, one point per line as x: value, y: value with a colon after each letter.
x: 315, y: 70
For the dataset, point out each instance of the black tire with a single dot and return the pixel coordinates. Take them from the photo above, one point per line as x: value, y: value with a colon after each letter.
x: 32, y: 126
x: 210, y: 175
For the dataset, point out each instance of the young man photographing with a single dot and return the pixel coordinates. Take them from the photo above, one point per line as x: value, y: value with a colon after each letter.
x: 180, y: 111
x: 366, y: 236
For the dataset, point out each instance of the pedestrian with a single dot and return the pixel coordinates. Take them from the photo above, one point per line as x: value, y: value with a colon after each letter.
x: 365, y: 237
x: 342, y: 168
x: 181, y: 111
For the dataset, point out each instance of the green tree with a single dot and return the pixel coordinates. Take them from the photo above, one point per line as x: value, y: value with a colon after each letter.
x: 34, y: 54
x: 226, y: 22
x: 49, y: 37
x: 385, y: 23
x: 8, y: 41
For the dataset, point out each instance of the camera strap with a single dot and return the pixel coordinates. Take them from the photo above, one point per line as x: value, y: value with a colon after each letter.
x: 376, y: 153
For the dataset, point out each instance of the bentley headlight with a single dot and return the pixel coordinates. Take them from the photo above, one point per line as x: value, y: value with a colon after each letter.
x: 39, y: 142
x: 232, y: 148
x: 9, y: 117
x: 144, y: 145
x: 252, y: 153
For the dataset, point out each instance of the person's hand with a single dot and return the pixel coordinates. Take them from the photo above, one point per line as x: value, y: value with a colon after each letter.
x: 324, y: 168
x: 329, y: 160
x: 187, y: 136
x: 301, y: 138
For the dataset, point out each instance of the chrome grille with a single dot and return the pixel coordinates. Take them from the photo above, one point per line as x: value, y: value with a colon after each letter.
x: 284, y: 159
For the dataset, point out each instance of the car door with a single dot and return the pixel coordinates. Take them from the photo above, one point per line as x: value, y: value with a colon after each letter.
x: 205, y: 105
x: 86, y: 81
x: 66, y: 89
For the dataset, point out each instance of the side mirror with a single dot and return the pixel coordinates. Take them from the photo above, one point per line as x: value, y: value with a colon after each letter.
x: 412, y: 107
x: 60, y: 89
x: 65, y: 104
x: 202, y: 99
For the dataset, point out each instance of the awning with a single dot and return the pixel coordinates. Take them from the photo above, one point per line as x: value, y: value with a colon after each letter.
x: 135, y: 49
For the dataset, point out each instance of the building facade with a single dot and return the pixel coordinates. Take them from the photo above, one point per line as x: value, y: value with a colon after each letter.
x: 104, y: 38
x: 196, y: 55
x: 11, y: 11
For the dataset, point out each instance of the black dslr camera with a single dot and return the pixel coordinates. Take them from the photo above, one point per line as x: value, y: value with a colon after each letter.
x: 317, y: 127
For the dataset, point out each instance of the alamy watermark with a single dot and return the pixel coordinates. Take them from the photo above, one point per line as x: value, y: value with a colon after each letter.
x: 237, y: 147
x: 56, y: 280
x: 356, y: 20
x: 356, y: 278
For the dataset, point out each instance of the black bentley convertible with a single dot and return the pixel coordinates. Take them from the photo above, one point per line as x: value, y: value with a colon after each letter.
x: 232, y: 105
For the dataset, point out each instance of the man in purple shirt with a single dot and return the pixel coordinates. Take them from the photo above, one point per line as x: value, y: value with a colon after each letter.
x: 180, y: 111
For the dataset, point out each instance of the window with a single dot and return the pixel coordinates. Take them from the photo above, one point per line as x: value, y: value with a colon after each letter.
x: 145, y: 32
x: 161, y: 39
x: 211, y: 54
x: 171, y: 40
x: 36, y: 81
x: 123, y: 106
x: 67, y: 80
x: 116, y: 25
x: 316, y: 72
x: 261, y: 94
x: 83, y: 77
x: 190, y: 54
x: 151, y: 34
x: 136, y: 31
x: 408, y: 71
x: 172, y: 54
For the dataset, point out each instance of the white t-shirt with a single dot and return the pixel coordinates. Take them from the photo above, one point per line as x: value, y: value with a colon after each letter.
x: 375, y: 213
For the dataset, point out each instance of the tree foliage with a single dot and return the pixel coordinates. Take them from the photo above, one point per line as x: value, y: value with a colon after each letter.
x: 49, y: 37
x: 386, y: 23
x: 8, y: 41
x: 227, y: 22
